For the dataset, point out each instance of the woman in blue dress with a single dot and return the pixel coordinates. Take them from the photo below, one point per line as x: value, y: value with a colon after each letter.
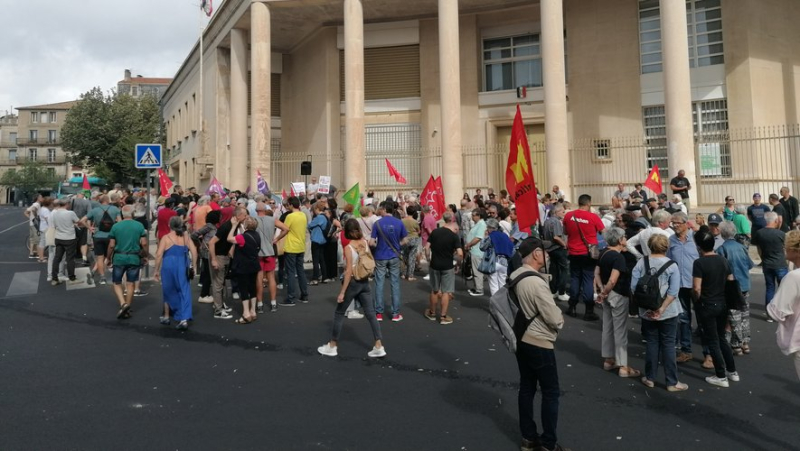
x: 176, y: 255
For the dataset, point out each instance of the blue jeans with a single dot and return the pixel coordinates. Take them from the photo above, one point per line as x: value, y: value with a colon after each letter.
x: 295, y: 271
x: 537, y: 366
x: 581, y: 270
x: 684, y: 335
x: 393, y: 266
x: 660, y: 337
x: 773, y: 278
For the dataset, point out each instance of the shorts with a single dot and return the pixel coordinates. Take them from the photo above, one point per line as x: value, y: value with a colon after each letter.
x: 443, y: 281
x: 267, y: 263
x: 81, y: 234
x: 101, y: 246
x: 131, y: 274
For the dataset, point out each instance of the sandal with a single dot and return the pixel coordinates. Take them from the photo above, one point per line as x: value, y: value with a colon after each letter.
x: 411, y: 279
x: 630, y: 372
x: 610, y: 366
x: 243, y: 320
x: 746, y: 348
x: 738, y: 351
x: 680, y: 386
x: 648, y: 383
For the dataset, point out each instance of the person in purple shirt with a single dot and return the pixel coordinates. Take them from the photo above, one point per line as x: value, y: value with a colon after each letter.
x: 388, y: 235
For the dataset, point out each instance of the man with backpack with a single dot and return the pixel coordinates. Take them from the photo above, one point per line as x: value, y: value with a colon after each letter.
x: 101, y: 219
x: 536, y: 357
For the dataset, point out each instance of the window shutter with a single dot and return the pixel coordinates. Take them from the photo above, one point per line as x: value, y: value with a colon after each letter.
x: 389, y: 72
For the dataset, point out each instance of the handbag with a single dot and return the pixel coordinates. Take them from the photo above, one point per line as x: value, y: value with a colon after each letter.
x: 50, y: 236
x: 594, y: 251
x: 488, y: 264
x: 189, y: 266
x: 734, y: 299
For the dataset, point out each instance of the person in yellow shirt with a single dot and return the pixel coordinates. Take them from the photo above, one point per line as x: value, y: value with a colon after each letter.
x: 294, y: 250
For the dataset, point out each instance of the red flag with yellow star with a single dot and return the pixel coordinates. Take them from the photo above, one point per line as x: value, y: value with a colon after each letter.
x: 519, y: 176
x: 653, y: 181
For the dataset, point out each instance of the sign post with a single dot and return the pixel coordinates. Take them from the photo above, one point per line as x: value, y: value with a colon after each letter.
x: 148, y: 157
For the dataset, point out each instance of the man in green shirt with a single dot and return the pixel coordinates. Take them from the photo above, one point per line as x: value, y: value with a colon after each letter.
x: 127, y: 238
x: 742, y: 225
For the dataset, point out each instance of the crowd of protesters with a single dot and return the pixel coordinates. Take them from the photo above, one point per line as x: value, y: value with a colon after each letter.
x: 253, y: 248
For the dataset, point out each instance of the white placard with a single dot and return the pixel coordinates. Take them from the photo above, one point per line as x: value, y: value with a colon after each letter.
x: 324, y: 184
x: 299, y: 188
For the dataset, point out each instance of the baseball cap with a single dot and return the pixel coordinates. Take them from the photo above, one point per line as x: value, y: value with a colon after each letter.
x: 529, y: 244
x: 714, y: 218
x: 756, y: 194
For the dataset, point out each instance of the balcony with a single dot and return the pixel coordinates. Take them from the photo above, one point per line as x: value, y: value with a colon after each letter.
x: 19, y: 161
x: 38, y: 142
x: 8, y: 143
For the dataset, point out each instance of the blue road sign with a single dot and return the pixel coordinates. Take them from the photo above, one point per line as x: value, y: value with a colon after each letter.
x: 148, y: 156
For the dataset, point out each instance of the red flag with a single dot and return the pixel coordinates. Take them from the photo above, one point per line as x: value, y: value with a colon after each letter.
x: 395, y: 173
x: 654, y: 180
x: 86, y: 186
x: 430, y: 197
x: 164, y: 182
x: 519, y: 176
x: 440, y: 195
x: 283, y: 194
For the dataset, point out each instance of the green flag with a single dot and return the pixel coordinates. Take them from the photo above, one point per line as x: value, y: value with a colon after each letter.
x: 353, y: 197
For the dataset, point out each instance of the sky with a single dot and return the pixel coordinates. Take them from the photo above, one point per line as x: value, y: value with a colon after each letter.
x: 55, y: 50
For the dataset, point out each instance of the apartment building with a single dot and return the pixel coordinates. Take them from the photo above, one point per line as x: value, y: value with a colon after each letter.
x: 8, y: 152
x: 612, y: 88
x: 139, y: 86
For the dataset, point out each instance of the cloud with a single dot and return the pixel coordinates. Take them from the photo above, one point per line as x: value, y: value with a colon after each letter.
x: 55, y: 50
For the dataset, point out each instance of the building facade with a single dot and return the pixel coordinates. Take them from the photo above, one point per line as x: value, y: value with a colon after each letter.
x: 139, y: 86
x: 613, y: 88
x: 8, y: 152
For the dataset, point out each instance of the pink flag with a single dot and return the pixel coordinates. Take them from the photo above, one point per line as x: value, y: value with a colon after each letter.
x: 215, y: 187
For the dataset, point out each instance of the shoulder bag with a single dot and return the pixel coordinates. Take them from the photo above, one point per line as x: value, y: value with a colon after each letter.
x: 593, y: 250
x: 391, y: 246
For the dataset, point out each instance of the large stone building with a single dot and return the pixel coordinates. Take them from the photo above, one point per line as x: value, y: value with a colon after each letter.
x: 613, y: 87
x: 8, y: 152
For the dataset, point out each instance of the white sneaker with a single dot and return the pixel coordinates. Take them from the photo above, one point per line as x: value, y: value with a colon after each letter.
x: 280, y: 286
x: 353, y: 314
x: 428, y: 277
x: 222, y: 314
x: 718, y: 381
x: 377, y: 352
x: 327, y: 350
x: 563, y: 297
x: 205, y: 299
x: 235, y: 295
x: 734, y: 376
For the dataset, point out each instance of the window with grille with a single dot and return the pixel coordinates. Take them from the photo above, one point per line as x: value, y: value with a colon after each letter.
x: 704, y: 28
x: 51, y: 155
x: 602, y: 150
x: 710, y: 118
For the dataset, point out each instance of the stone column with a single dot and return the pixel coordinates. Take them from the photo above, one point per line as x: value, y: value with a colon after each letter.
x: 238, y: 122
x: 556, y: 134
x: 260, y: 92
x: 450, y: 89
x: 677, y: 91
x: 354, y: 152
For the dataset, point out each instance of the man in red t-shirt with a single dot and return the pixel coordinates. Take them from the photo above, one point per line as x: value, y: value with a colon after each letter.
x: 164, y: 216
x: 581, y: 227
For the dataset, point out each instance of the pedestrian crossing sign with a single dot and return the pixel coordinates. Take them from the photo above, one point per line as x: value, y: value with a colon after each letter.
x: 148, y: 156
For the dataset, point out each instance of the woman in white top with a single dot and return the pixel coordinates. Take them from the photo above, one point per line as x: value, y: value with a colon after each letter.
x: 44, y: 224
x: 353, y: 288
x: 785, y: 306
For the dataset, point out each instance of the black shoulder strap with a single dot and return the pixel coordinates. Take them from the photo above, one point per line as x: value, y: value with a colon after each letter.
x: 664, y: 268
x: 647, y: 265
x: 511, y: 287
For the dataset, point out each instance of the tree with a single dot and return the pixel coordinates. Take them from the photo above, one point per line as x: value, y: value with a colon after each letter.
x: 102, y: 130
x: 31, y: 178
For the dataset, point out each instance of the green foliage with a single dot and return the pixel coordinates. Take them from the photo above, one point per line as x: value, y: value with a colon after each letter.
x: 33, y: 177
x: 102, y: 130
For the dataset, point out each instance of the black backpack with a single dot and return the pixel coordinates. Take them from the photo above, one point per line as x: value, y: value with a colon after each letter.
x: 647, y: 293
x: 106, y: 222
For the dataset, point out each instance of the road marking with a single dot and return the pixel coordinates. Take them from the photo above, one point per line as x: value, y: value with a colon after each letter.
x: 14, y: 226
x: 82, y: 276
x: 24, y: 283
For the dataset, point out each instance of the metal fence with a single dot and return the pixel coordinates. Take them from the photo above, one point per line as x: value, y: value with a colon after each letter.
x: 737, y: 163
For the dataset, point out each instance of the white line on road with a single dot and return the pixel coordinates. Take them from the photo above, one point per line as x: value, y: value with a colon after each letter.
x: 14, y: 226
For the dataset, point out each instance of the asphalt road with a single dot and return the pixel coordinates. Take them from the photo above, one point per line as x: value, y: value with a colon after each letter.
x: 75, y: 378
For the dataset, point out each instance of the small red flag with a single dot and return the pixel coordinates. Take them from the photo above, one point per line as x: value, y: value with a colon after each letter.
x: 519, y: 176
x: 430, y: 197
x: 86, y: 185
x: 653, y: 181
x: 395, y: 173
x: 164, y: 182
x: 283, y: 194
